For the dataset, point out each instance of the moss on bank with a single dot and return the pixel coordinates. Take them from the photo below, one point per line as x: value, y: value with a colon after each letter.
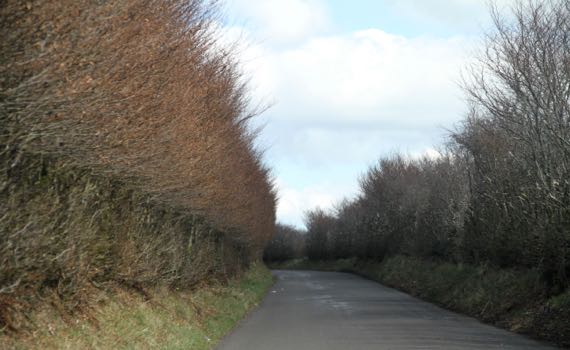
x: 512, y: 299
x: 164, y: 319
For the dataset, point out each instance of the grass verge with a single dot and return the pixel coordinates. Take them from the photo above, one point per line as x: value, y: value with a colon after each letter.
x: 165, y: 320
x: 511, y: 299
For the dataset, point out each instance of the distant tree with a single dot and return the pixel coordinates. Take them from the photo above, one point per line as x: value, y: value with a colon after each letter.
x: 320, y: 233
x: 287, y: 243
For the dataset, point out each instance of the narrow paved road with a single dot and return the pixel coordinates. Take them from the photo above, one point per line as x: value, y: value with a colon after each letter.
x: 308, y: 310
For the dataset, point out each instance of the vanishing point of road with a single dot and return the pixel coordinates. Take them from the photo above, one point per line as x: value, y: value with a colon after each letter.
x: 309, y: 310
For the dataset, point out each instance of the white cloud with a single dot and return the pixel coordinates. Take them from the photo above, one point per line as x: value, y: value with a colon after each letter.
x: 368, y: 76
x: 294, y: 201
x: 364, y: 76
x: 464, y: 14
x: 343, y: 100
x: 283, y: 21
x: 429, y: 152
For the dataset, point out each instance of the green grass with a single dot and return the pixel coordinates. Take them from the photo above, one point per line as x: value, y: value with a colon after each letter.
x: 170, y: 320
x: 560, y: 301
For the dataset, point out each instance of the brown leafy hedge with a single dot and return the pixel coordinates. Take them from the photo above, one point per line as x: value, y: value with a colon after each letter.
x: 125, y: 149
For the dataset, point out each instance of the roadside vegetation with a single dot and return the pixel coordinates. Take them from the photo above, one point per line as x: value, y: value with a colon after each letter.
x: 127, y: 164
x: 484, y: 228
x: 178, y: 319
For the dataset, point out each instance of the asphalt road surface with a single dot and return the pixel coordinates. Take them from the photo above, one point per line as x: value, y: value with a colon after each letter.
x: 309, y: 310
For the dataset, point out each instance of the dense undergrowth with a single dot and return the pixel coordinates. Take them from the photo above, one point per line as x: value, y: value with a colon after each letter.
x: 126, y: 157
x: 166, y: 319
x: 513, y: 299
x: 68, y: 231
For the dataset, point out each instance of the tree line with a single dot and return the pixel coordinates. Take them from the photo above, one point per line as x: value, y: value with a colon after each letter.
x: 287, y: 243
x: 499, y: 193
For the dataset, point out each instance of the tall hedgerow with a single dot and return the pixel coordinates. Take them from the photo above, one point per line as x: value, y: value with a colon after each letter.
x: 130, y: 100
x: 139, y: 89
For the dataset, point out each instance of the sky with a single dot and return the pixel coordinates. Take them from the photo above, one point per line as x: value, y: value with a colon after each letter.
x: 348, y: 82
